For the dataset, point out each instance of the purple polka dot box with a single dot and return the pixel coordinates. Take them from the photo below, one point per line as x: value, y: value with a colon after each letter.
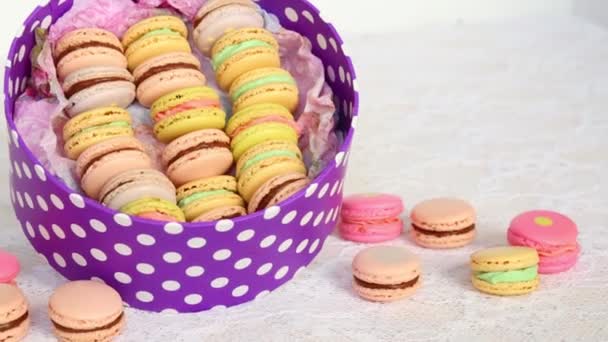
x: 174, y: 267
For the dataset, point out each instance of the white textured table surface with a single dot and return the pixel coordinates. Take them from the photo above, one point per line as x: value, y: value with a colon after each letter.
x: 512, y: 116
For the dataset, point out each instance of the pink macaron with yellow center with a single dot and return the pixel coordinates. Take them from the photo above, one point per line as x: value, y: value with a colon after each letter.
x: 552, y: 234
x: 371, y: 218
x: 386, y: 273
x: 443, y: 223
x: 100, y: 162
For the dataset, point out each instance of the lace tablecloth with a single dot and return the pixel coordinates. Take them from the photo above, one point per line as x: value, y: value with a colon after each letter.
x: 511, y: 116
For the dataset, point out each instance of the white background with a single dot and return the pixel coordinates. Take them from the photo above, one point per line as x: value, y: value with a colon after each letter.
x: 502, y: 103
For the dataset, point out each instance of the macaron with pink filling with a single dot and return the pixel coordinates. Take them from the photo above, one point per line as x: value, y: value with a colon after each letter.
x: 386, y: 273
x: 552, y: 234
x: 9, y: 267
x: 371, y: 218
x: 443, y: 223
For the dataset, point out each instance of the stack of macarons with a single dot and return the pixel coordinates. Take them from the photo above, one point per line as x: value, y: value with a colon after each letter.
x: 92, y: 69
x: 243, y: 54
x: 159, y: 55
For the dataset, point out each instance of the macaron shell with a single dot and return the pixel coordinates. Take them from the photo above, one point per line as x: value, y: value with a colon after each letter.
x: 255, y: 177
x: 286, y: 95
x: 386, y: 265
x: 199, y: 208
x: 503, y: 259
x: 96, y: 117
x: 295, y: 183
x: 251, y: 59
x: 16, y: 334
x: 145, y: 49
x: 117, y: 93
x: 13, y: 303
x: 371, y: 232
x: 255, y: 112
x: 78, y: 144
x: 110, y: 166
x: 9, y: 267
x: 167, y: 82
x: 248, y: 158
x: 148, y: 206
x: 371, y: 207
x: 261, y: 133
x: 506, y: 289
x: 443, y: 214
x: 385, y: 295
x: 444, y: 242
x: 182, y: 96
x: 189, y: 121
x: 545, y: 227
x: 200, y: 164
x: 558, y: 264
x: 86, y: 36
x: 152, y: 24
x: 222, y: 20
x: 221, y: 213
x: 90, y: 57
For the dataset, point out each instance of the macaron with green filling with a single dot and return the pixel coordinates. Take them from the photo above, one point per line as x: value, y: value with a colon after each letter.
x: 505, y: 271
x: 154, y: 37
x: 157, y: 209
x: 241, y: 51
x: 93, y: 127
x: 205, y: 196
x: 266, y: 85
x: 256, y: 114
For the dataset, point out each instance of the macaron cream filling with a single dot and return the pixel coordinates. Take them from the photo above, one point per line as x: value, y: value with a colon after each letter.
x: 192, y: 104
x: 399, y: 286
x: 199, y: 147
x: 156, y: 33
x: 83, y: 331
x: 108, y: 125
x: 281, y: 78
x: 14, y: 324
x: 82, y: 85
x: 444, y: 233
x: 201, y: 195
x: 85, y: 45
x: 265, y: 201
x: 267, y: 155
x: 515, y: 276
x: 232, y: 50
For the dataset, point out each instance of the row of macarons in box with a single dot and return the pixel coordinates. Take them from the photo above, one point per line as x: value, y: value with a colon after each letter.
x: 543, y: 242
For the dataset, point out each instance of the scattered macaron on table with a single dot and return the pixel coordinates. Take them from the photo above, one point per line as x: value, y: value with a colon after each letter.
x: 9, y: 268
x: 371, y: 217
x: 552, y: 234
x: 14, y: 314
x: 386, y: 273
x: 505, y: 271
x: 443, y: 223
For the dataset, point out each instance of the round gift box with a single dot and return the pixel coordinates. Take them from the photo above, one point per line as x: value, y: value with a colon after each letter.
x: 170, y: 266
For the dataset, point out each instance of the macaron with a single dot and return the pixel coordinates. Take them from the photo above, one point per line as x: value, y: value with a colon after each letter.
x: 201, y: 198
x: 259, y: 114
x: 217, y: 17
x: 156, y: 209
x: 93, y: 127
x: 266, y: 161
x: 243, y: 50
x: 552, y: 234
x: 85, y: 48
x: 154, y: 37
x: 9, y: 267
x: 386, y: 273
x: 371, y: 218
x: 260, y: 132
x: 200, y: 154
x: 94, y: 87
x: 443, y: 223
x: 505, y: 271
x: 165, y: 74
x: 188, y: 121
x: 100, y: 162
x: 221, y: 213
x: 265, y: 85
x: 183, y: 100
x: 134, y: 185
x: 277, y: 190
x: 86, y: 311
x: 14, y: 314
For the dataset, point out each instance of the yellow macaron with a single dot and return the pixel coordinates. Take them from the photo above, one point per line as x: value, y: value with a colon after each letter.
x: 154, y: 209
x: 255, y: 114
x: 188, y: 97
x: 206, y: 195
x: 260, y: 133
x: 265, y: 85
x: 505, y: 271
x: 243, y: 50
x: 154, y: 37
x: 188, y: 121
x: 93, y: 127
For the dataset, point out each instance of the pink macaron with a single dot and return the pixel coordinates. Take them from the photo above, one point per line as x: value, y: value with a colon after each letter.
x: 100, y: 162
x: 552, y: 234
x: 9, y: 267
x: 371, y: 218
